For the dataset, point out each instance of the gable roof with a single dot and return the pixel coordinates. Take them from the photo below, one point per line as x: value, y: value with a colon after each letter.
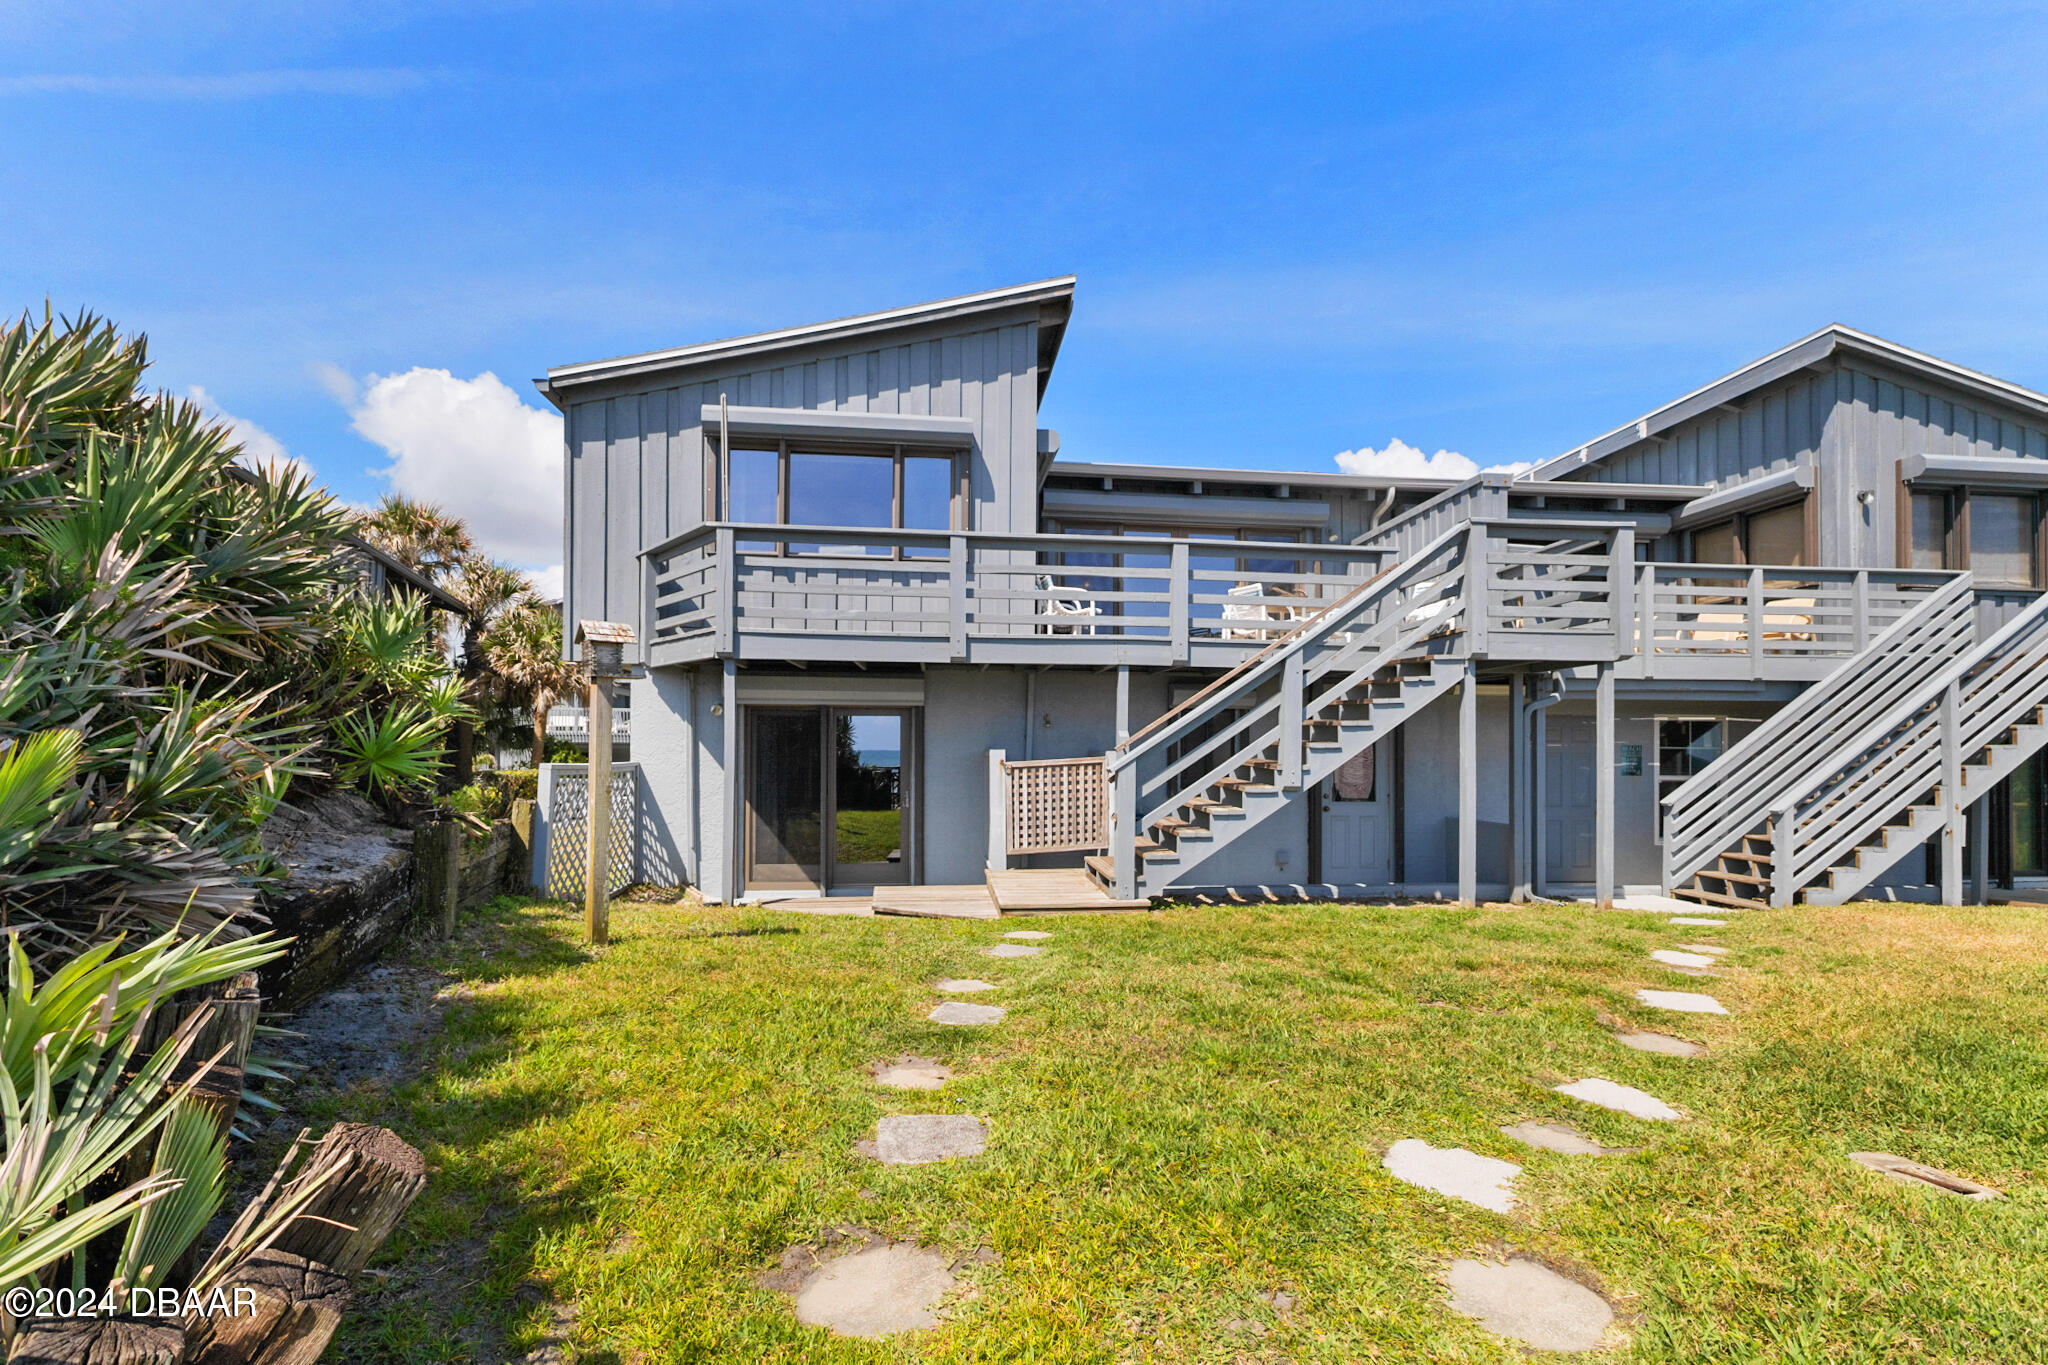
x: 1055, y: 298
x: 1828, y: 342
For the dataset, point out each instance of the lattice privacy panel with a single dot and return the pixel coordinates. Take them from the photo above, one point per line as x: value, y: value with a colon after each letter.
x: 1057, y: 805
x: 568, y: 841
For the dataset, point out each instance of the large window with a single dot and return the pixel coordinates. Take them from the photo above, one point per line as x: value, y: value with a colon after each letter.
x: 1995, y: 535
x: 785, y: 483
x: 1775, y: 535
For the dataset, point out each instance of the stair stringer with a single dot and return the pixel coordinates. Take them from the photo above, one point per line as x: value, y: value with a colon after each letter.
x: 1228, y: 824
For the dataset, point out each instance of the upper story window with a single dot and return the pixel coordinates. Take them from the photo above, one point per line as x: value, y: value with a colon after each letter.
x: 1995, y: 535
x: 894, y: 487
x: 1774, y: 535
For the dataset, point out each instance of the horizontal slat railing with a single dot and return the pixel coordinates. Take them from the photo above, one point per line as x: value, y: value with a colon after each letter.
x: 1900, y: 754
x: 1733, y: 795
x: 1694, y: 611
x: 725, y: 579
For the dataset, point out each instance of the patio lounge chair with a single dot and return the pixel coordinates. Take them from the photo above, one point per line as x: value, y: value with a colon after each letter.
x: 1080, y: 612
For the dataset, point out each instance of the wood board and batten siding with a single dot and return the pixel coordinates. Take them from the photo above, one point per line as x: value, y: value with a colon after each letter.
x: 1852, y: 424
x: 639, y: 468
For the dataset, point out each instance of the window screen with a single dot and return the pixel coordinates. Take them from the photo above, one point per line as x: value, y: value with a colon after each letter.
x: 2002, y: 540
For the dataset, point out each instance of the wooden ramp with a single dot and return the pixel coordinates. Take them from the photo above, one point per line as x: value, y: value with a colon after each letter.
x: 1052, y: 890
x: 935, y: 902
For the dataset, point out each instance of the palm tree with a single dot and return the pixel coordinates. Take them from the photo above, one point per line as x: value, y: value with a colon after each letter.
x: 524, y: 648
x: 419, y: 535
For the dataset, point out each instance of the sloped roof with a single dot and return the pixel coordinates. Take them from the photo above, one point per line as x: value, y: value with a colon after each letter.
x: 1055, y: 296
x: 1789, y: 360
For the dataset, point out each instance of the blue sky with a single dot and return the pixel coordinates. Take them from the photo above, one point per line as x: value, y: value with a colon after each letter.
x: 1299, y: 230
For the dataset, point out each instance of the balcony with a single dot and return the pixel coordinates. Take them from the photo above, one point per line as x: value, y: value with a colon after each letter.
x: 832, y: 594
x: 572, y: 723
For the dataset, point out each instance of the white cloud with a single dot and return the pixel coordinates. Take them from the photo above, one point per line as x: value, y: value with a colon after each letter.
x: 471, y: 447
x: 1399, y: 460
x: 339, y: 383
x: 260, y: 449
x: 233, y: 85
x: 547, y: 582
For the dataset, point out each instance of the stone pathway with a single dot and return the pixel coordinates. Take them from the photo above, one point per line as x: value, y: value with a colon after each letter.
x: 1709, y: 949
x: 1027, y: 934
x: 959, y: 1012
x: 883, y: 1288
x: 920, y: 1139
x: 1482, y: 1180
x: 1697, y: 922
x: 911, y: 1073
x: 952, y: 985
x: 1529, y: 1302
x: 1661, y: 1043
x: 1560, y: 1137
x: 1623, y: 1099
x: 1672, y: 958
x: 1684, y: 1002
x: 1012, y: 950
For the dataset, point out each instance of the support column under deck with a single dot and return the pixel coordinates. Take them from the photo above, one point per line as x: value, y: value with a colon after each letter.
x: 1468, y: 787
x: 729, y: 738
x: 1980, y: 852
x: 1603, y: 790
x: 1518, y: 787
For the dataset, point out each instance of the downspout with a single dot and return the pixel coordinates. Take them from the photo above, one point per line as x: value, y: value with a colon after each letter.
x: 1532, y: 711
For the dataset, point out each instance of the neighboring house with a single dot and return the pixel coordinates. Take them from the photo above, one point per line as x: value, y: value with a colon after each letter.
x: 385, y: 575
x: 1769, y: 640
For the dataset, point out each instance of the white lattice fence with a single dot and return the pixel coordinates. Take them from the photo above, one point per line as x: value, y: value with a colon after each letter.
x: 1056, y: 805
x: 568, y: 819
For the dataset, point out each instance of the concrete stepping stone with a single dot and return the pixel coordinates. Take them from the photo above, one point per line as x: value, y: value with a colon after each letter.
x: 1027, y: 934
x: 954, y: 985
x: 1622, y: 1099
x: 1663, y: 1044
x: 1709, y: 949
x: 1671, y: 958
x: 1525, y: 1301
x: 920, y: 1139
x: 877, y: 1291
x: 911, y: 1073
x: 1913, y: 1173
x: 1013, y: 950
x: 1696, y: 921
x: 1453, y: 1171
x: 1560, y: 1137
x: 961, y: 1013
x: 1684, y: 1002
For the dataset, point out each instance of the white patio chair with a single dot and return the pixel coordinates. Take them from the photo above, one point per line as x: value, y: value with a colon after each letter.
x: 1079, y: 612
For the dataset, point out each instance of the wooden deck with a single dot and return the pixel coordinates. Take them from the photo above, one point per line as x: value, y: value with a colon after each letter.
x: 1054, y: 890
x: 1046, y: 892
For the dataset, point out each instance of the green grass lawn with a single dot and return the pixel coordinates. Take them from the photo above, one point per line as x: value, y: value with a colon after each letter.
x: 1187, y: 1111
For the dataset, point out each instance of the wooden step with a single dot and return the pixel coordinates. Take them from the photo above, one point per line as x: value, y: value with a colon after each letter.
x: 1743, y: 877
x: 1245, y: 784
x: 1699, y: 893
x: 1182, y: 829
x: 1102, y: 868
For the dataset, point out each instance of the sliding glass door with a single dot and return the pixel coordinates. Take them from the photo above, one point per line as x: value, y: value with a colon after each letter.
x: 829, y: 797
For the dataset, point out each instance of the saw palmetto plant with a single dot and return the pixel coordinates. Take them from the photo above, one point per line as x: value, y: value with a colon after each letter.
x: 180, y: 639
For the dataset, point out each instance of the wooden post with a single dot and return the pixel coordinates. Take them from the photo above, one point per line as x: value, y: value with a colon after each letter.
x: 436, y: 855
x: 1123, y: 703
x: 598, y: 823
x: 1951, y: 795
x: 362, y: 1180
x: 1123, y: 845
x: 1468, y: 783
x: 1179, y: 603
x: 1603, y: 790
x: 1292, y: 739
x: 1756, y: 624
x: 1539, y: 854
x: 1980, y: 852
x: 998, y: 813
x: 1518, y: 787
x: 101, y: 1341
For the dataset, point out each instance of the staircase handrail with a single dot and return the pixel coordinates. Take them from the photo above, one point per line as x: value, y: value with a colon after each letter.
x: 1866, y: 744
x: 1924, y: 746
x: 1687, y: 851
x: 1176, y: 721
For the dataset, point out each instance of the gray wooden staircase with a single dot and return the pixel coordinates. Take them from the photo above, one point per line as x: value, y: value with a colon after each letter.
x: 1867, y: 765
x: 1245, y: 746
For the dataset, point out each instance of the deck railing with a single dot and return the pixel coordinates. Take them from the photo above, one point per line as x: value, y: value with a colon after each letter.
x: 724, y: 579
x: 1733, y: 612
x: 1151, y: 600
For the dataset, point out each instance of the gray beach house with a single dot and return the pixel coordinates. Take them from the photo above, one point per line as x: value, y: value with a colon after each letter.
x: 1782, y: 638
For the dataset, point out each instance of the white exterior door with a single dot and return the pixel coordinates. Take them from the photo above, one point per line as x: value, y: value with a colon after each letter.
x: 1358, y: 826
